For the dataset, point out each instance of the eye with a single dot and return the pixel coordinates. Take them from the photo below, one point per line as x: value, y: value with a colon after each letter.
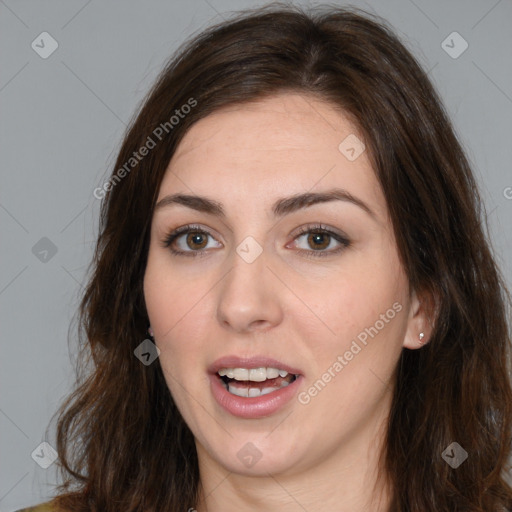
x: 318, y: 241
x: 190, y: 241
x: 312, y: 241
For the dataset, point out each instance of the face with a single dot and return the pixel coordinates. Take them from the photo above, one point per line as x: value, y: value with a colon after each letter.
x: 276, y: 251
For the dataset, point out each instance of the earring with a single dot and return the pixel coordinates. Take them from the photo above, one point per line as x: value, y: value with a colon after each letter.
x: 150, y: 332
x: 421, y: 336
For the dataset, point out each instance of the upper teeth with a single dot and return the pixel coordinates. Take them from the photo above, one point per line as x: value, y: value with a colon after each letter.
x: 254, y: 374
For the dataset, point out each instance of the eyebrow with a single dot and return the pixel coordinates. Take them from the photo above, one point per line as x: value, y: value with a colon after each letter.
x: 280, y: 208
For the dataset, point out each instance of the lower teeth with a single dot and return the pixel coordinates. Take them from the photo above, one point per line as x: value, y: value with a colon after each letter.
x: 253, y: 392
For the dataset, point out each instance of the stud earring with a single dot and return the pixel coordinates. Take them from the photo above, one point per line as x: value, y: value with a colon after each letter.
x: 150, y: 332
x: 421, y: 336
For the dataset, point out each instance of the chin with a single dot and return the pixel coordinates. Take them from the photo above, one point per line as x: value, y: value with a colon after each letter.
x: 258, y: 456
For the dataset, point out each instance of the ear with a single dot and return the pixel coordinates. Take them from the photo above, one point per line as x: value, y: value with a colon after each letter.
x: 422, y: 314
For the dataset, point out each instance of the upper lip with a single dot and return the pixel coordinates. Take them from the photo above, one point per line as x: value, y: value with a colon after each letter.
x: 251, y: 362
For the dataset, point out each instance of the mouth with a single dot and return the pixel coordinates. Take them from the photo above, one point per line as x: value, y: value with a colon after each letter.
x: 253, y: 387
x: 254, y: 382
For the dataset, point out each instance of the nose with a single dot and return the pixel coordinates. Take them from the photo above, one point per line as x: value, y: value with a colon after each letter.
x: 249, y: 298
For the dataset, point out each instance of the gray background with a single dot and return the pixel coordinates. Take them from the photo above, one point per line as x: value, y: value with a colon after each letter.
x: 62, y: 120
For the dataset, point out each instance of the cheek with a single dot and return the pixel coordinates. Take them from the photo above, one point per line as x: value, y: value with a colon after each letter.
x: 181, y: 317
x: 367, y: 304
x: 358, y: 295
x: 355, y: 358
x: 175, y: 301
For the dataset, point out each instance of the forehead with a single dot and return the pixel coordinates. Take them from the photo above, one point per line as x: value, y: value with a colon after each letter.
x: 285, y: 144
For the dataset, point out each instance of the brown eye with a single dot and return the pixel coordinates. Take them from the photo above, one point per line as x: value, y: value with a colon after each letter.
x: 190, y: 240
x: 196, y: 240
x: 318, y: 241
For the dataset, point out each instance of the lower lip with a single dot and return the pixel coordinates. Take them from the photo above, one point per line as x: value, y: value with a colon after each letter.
x: 253, y: 407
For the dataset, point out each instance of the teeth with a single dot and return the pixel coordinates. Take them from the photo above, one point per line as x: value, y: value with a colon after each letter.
x: 258, y: 374
x: 252, y: 392
x: 253, y: 374
x: 272, y: 373
x: 241, y: 374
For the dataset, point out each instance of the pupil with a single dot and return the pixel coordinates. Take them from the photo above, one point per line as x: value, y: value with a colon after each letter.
x: 318, y: 238
x: 195, y: 239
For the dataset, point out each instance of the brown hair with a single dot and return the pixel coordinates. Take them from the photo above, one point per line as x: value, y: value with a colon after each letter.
x: 123, y: 445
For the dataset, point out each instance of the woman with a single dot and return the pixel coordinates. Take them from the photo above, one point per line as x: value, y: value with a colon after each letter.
x: 293, y: 221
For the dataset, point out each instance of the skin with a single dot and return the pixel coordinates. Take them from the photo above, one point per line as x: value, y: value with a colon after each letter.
x: 322, y: 455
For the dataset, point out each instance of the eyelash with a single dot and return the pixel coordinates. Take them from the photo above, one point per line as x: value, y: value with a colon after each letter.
x: 309, y: 229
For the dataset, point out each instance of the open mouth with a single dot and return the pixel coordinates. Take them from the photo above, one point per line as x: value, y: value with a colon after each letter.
x: 254, y: 382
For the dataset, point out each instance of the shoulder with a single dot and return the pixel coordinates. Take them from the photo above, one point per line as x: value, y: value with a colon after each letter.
x: 42, y: 507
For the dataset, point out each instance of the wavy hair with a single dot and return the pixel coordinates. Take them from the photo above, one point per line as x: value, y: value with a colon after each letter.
x: 122, y: 443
